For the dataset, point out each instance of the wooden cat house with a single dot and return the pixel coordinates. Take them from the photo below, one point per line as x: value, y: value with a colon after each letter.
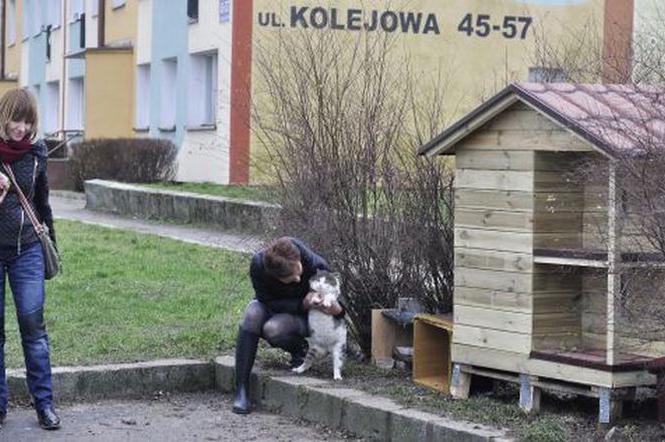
x: 536, y: 290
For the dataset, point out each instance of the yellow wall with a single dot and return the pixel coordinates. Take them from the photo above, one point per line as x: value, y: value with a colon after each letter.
x: 109, y: 93
x: 475, y: 66
x: 13, y: 52
x: 121, y: 22
x: 7, y: 85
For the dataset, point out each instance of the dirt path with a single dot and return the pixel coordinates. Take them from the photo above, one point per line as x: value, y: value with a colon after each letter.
x: 185, y: 417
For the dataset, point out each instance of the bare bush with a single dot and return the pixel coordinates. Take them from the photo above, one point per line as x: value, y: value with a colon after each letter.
x: 133, y: 160
x: 340, y: 123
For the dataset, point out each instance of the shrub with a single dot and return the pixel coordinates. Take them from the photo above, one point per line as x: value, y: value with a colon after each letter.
x: 133, y: 160
x: 340, y: 134
x: 56, y: 148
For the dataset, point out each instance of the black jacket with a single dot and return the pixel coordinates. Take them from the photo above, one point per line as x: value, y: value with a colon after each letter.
x: 16, y: 230
x: 280, y: 297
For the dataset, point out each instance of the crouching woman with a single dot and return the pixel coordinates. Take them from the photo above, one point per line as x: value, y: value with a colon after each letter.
x: 280, y: 276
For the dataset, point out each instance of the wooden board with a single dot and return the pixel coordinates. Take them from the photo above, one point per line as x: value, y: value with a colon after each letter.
x: 557, y: 222
x: 494, y: 180
x: 494, y: 219
x: 497, y: 300
x: 553, y: 202
x: 520, y: 120
x: 386, y: 335
x: 557, y: 240
x: 492, y: 339
x: 494, y: 160
x: 494, y: 199
x: 554, y: 140
x: 488, y: 318
x: 493, y: 260
x: 519, y: 363
x: 494, y: 240
x: 559, y: 341
x: 493, y: 280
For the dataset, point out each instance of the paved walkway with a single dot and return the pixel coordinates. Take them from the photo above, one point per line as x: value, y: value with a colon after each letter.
x: 183, y: 417
x: 70, y: 206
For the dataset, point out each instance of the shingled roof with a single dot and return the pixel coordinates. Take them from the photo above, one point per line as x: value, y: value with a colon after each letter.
x: 614, y: 119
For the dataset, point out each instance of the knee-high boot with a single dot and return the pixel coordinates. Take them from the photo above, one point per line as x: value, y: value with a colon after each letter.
x: 245, y: 353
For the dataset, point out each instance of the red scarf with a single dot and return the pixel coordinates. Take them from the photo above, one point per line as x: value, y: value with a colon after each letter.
x: 11, y: 150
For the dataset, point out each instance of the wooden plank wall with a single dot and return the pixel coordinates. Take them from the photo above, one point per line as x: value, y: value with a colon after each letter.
x: 494, y: 207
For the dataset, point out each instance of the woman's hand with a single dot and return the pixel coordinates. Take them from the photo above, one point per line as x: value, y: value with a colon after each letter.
x: 333, y: 309
x: 311, y: 300
x: 4, y: 182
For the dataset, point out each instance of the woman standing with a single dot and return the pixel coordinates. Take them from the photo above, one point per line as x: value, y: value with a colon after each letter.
x: 21, y: 256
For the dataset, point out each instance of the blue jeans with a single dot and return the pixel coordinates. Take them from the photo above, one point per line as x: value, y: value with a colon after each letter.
x: 26, y: 279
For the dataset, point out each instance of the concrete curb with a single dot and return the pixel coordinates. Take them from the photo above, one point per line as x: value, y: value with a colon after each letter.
x: 121, y: 380
x: 141, y: 202
x: 310, y: 399
x: 366, y: 415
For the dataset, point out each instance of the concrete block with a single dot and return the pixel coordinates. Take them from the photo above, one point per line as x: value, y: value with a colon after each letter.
x: 126, y: 380
x: 369, y: 416
x: 225, y: 374
x: 227, y: 213
x: 287, y: 394
x: 410, y: 425
x: 444, y: 429
x: 326, y: 404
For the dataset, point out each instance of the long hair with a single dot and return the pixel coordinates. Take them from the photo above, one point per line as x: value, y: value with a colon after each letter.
x: 19, y: 105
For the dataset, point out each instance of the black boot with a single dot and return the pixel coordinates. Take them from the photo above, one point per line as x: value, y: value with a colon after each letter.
x: 245, y: 353
x: 298, y: 354
x: 296, y: 345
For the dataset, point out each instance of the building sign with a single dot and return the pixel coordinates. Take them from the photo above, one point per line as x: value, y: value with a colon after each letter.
x: 225, y: 11
x: 473, y: 47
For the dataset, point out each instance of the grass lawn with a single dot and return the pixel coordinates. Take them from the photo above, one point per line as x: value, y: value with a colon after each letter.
x: 125, y: 296
x: 253, y: 193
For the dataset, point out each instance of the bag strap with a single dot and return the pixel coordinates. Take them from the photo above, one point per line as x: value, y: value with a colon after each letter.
x: 39, y: 229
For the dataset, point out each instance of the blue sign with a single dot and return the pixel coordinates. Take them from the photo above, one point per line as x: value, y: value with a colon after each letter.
x: 225, y: 11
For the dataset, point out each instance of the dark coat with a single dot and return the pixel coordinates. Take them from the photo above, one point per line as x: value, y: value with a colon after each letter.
x: 280, y: 297
x: 16, y: 230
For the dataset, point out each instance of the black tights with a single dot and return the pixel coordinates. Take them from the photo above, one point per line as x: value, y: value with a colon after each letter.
x: 283, y: 330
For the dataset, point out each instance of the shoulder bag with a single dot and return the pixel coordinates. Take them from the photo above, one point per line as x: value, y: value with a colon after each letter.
x: 51, y: 256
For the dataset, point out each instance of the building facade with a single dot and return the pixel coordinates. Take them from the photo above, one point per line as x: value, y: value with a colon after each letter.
x: 186, y: 70
x: 126, y: 68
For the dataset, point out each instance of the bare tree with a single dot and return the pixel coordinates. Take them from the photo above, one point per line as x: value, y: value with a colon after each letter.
x: 339, y: 121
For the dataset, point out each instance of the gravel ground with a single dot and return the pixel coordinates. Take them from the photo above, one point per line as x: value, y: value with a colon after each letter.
x: 182, y: 417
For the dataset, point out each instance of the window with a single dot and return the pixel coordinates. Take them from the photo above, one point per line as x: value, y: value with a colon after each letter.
x: 54, y: 10
x: 52, y: 107
x: 25, y: 30
x: 11, y: 22
x: 36, y: 18
x: 541, y: 74
x: 75, y: 104
x: 168, y: 94
x: 76, y: 8
x: 193, y: 9
x: 118, y: 3
x: 143, y: 96
x: 203, y: 90
x: 36, y: 90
